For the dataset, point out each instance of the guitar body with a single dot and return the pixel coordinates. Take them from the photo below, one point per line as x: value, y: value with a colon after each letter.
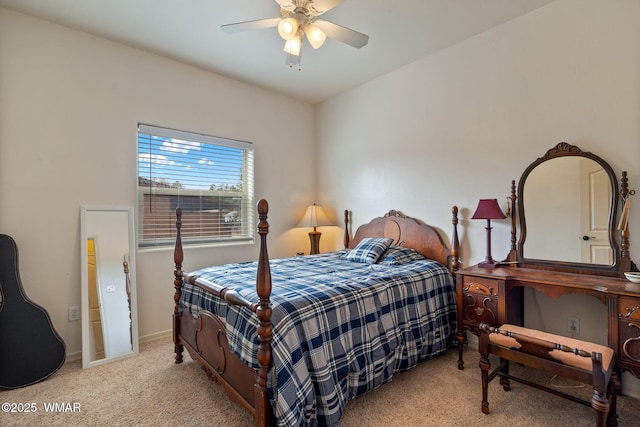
x: 30, y: 348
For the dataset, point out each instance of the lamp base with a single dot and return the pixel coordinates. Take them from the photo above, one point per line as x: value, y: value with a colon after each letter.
x: 488, y: 264
x: 314, y: 237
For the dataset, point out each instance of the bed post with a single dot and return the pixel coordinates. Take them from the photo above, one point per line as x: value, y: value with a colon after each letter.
x: 455, y: 242
x: 346, y: 229
x: 178, y: 257
x: 513, y: 253
x: 263, y: 311
x: 625, y: 257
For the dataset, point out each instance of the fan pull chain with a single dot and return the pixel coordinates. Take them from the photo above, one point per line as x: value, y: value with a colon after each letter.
x: 299, y: 61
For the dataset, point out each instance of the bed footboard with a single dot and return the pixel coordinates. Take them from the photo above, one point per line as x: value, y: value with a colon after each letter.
x: 205, y: 338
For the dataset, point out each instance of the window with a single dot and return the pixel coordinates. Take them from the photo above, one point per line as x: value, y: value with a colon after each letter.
x: 210, y: 178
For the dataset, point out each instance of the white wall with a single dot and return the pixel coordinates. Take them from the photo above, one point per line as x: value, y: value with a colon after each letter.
x: 459, y: 125
x: 69, y: 106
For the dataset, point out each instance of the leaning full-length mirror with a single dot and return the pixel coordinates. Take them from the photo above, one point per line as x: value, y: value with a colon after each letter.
x: 107, y: 257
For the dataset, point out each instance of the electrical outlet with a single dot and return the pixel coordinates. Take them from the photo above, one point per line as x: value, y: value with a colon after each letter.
x: 74, y: 313
x: 573, y: 325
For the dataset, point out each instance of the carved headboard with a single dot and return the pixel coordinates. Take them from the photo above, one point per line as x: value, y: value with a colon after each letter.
x: 412, y: 233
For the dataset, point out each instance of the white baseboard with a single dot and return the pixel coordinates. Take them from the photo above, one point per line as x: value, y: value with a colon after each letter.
x: 155, y: 336
x: 72, y: 357
x: 472, y: 341
x: 77, y: 355
x: 630, y: 385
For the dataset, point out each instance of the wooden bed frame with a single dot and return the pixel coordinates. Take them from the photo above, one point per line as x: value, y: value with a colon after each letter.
x: 205, y: 337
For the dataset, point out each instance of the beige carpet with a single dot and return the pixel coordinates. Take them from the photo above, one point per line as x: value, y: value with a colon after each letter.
x: 145, y: 390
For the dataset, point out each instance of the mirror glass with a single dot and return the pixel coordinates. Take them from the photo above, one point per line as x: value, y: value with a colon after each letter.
x: 567, y: 201
x: 109, y: 317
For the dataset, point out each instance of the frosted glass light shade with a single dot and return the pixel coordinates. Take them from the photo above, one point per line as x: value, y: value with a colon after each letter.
x: 293, y: 46
x: 315, y: 35
x: 288, y: 28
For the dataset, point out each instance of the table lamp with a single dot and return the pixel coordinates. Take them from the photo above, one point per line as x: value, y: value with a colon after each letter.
x: 314, y: 217
x: 488, y: 209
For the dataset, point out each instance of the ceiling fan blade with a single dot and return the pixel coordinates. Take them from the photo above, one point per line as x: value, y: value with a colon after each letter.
x: 250, y: 25
x: 342, y: 34
x: 322, y: 6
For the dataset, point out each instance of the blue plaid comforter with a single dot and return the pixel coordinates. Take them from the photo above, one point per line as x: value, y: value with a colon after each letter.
x: 340, y: 328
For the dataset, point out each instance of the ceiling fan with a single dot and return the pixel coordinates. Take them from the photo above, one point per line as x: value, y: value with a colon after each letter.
x: 299, y: 19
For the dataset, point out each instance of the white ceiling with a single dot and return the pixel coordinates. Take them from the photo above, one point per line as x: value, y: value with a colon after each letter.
x: 400, y: 32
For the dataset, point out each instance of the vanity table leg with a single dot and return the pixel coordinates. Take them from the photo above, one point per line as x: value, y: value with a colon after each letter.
x: 461, y: 337
x: 612, y: 323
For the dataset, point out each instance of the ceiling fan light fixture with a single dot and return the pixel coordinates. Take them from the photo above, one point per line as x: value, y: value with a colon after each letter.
x: 299, y: 19
x: 315, y: 35
x: 293, y: 45
x: 288, y: 28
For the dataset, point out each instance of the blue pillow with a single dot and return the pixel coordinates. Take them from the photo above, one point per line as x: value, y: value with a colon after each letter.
x: 397, y: 255
x: 369, y: 249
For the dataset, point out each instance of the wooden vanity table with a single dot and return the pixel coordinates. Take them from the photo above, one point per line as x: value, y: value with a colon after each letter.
x: 495, y: 295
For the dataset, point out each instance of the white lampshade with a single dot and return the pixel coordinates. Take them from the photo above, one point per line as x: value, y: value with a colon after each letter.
x: 315, y: 35
x: 314, y: 217
x: 288, y: 28
x: 293, y: 46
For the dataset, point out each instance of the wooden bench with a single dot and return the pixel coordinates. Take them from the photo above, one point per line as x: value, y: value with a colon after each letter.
x: 586, y: 362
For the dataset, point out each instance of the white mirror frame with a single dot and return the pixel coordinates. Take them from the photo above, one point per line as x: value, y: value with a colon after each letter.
x: 94, y: 221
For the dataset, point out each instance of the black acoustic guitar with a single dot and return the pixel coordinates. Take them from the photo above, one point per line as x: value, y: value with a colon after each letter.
x: 30, y: 348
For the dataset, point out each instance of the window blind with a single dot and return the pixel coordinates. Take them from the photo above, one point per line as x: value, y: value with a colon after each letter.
x: 210, y: 178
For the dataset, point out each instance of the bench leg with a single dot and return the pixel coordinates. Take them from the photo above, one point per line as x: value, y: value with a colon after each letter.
x: 601, y: 405
x: 605, y: 403
x: 614, y: 388
x: 504, y: 381
x: 485, y: 366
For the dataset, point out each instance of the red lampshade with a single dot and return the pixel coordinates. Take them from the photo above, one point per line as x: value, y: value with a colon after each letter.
x: 488, y: 209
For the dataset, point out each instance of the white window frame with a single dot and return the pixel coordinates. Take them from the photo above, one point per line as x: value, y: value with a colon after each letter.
x: 201, y: 224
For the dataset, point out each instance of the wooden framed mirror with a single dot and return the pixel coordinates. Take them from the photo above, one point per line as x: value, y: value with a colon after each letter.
x: 567, y: 204
x: 107, y: 258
